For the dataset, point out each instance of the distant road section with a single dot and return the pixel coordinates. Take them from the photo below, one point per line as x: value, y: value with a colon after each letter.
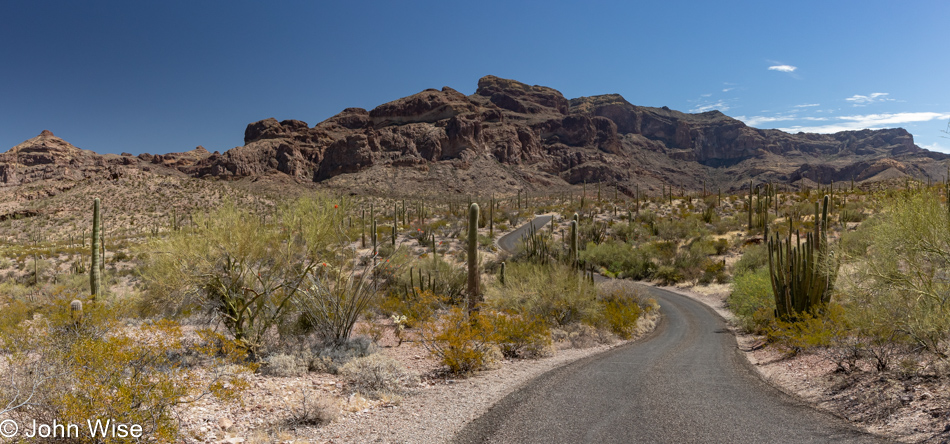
x: 509, y: 242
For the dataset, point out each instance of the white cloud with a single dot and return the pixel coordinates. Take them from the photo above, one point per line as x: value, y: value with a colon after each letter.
x: 755, y: 121
x: 807, y: 105
x: 861, y: 100
x: 935, y: 147
x: 719, y: 105
x: 783, y: 68
x: 725, y: 90
x: 869, y: 121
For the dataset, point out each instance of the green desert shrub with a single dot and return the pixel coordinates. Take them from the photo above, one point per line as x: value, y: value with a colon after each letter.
x: 631, y: 232
x: 753, y: 258
x: 855, y: 243
x: 248, y: 271
x: 554, y: 293
x: 668, y: 275
x: 621, y: 259
x: 752, y: 301
x: 720, y: 246
x: 727, y: 224
x: 715, y: 271
x: 673, y: 229
x: 902, y: 282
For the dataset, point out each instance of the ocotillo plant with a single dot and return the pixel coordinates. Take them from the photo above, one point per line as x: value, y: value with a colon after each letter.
x: 802, y: 277
x: 95, y: 274
x: 473, y: 296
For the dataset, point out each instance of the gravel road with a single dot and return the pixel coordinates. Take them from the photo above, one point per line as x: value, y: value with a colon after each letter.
x: 686, y: 383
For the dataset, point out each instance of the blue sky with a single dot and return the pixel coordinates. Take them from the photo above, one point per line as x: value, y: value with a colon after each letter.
x: 167, y: 76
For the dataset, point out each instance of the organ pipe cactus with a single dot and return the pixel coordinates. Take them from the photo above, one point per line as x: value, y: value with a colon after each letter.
x: 473, y: 296
x: 95, y: 274
x: 802, y: 275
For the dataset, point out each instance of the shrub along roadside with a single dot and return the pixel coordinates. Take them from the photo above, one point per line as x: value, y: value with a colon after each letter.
x: 62, y: 368
x: 620, y: 259
x: 752, y: 301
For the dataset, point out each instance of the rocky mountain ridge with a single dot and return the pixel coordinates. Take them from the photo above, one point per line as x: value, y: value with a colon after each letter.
x: 507, y: 136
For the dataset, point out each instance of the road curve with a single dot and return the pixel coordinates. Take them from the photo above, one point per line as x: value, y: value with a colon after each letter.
x: 509, y: 242
x: 685, y: 383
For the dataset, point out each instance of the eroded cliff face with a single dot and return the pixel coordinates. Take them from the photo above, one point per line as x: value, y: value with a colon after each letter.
x: 509, y: 135
x: 540, y: 138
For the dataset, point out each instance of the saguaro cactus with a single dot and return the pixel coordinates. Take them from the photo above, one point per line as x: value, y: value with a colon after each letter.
x: 573, y: 255
x: 373, y: 235
x: 491, y: 217
x: 750, y: 206
x: 473, y: 296
x: 501, y: 274
x: 95, y: 275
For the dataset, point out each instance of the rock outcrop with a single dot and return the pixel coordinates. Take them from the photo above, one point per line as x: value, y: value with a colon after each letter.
x: 508, y: 136
x: 535, y: 136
